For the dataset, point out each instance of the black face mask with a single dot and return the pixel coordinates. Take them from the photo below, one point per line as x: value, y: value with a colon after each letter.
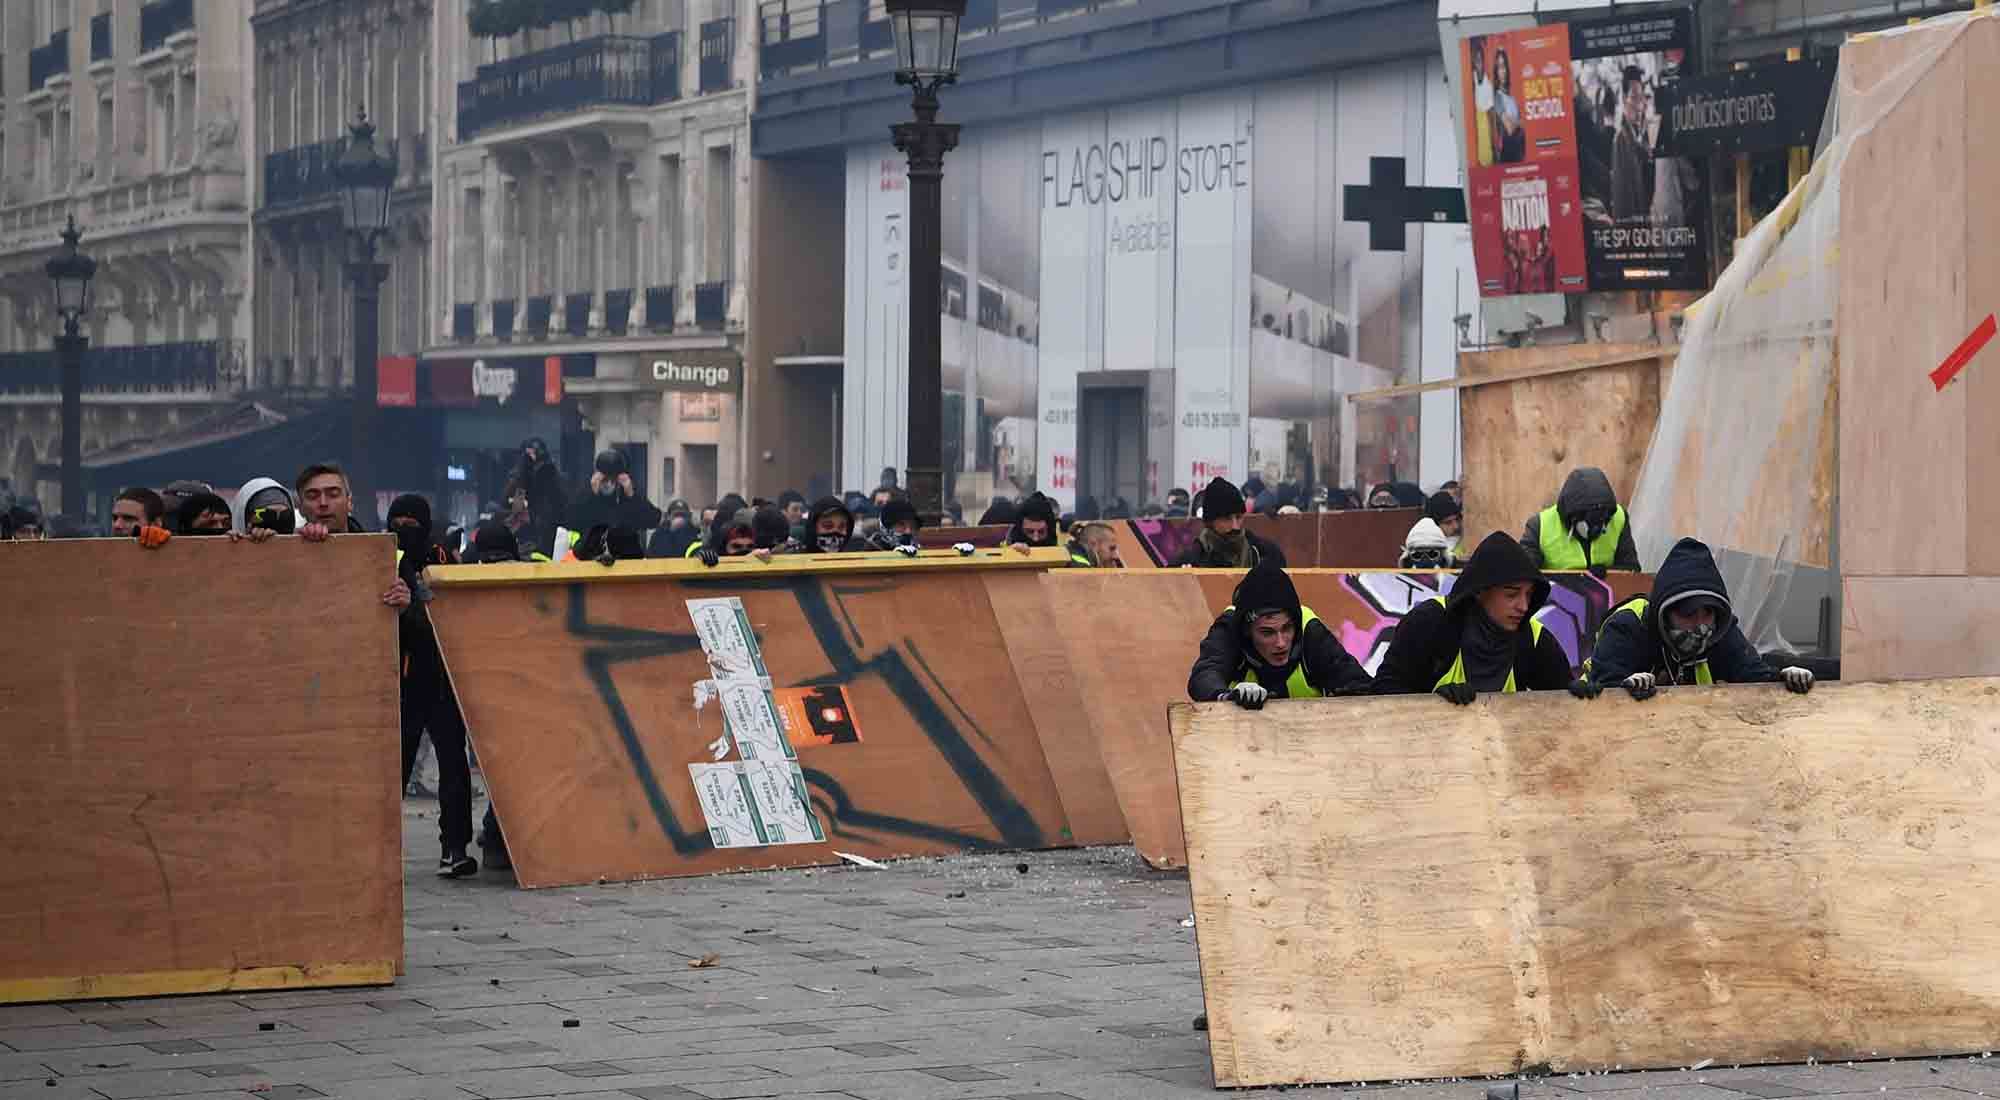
x: 202, y: 531
x: 832, y: 544
x: 282, y: 520
x: 410, y: 540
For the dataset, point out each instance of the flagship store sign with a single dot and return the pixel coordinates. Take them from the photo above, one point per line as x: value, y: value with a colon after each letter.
x: 1140, y: 172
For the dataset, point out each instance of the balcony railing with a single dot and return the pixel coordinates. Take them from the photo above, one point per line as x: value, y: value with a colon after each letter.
x: 49, y: 59
x: 306, y: 171
x: 149, y: 368
x: 160, y: 20
x: 100, y: 37
x: 617, y: 311
x: 503, y: 318
x: 540, y: 307
x: 801, y: 35
x: 660, y: 307
x: 718, y: 39
x: 464, y: 322
x: 609, y: 69
x: 576, y: 312
x: 711, y: 304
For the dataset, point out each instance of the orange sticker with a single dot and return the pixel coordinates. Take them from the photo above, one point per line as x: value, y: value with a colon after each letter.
x: 816, y: 716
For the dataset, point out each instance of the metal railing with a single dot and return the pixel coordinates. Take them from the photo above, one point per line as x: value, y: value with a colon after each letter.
x: 184, y: 367
x: 302, y: 172
x: 160, y: 20
x: 617, y: 311
x: 49, y: 59
x: 576, y: 312
x: 718, y: 40
x: 660, y: 307
x: 540, y: 307
x: 608, y: 69
x: 465, y: 322
x: 100, y: 37
x: 711, y: 304
x: 503, y: 318
x: 802, y: 35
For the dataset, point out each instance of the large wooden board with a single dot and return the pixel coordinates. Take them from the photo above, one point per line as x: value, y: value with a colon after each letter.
x: 1522, y: 438
x: 1042, y: 665
x: 1357, y: 539
x: 1394, y: 888
x: 579, y: 695
x: 1915, y: 278
x: 1919, y: 628
x: 1134, y: 646
x: 201, y: 782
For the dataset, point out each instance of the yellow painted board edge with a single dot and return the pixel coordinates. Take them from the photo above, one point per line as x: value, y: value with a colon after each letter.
x: 162, y: 983
x: 570, y: 572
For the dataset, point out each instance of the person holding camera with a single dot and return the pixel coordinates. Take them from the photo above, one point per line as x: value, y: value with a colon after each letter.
x: 536, y: 478
x: 611, y: 500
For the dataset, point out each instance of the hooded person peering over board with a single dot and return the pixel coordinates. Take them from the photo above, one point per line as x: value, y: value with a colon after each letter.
x: 1482, y: 637
x: 1267, y: 643
x: 1224, y: 543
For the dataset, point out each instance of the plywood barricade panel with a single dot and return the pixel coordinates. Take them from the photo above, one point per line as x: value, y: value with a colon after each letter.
x: 1391, y: 888
x: 201, y: 786
x: 1916, y: 278
x: 1523, y: 436
x: 1906, y: 628
x: 1042, y: 665
x: 1133, y: 638
x: 944, y: 538
x: 579, y: 692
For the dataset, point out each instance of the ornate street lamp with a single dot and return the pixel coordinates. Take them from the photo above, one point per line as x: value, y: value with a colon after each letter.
x: 926, y: 33
x: 71, y: 272
x: 367, y: 179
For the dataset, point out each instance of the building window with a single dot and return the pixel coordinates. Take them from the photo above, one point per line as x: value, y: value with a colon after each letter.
x: 669, y: 200
x: 107, y: 140
x: 721, y: 218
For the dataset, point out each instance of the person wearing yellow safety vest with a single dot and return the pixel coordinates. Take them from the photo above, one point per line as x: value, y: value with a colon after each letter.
x: 1266, y: 643
x: 1093, y: 544
x: 1684, y: 633
x: 1482, y: 637
x: 1586, y: 528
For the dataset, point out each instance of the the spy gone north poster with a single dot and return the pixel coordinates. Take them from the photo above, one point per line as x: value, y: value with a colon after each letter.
x: 1526, y: 209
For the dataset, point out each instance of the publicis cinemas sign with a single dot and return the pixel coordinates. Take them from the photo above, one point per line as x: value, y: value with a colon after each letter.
x: 1140, y: 170
x: 1747, y: 110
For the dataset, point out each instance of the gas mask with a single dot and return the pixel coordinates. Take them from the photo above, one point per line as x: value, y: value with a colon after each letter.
x: 410, y: 540
x: 1691, y: 642
x: 905, y: 538
x: 1424, y: 557
x: 282, y: 520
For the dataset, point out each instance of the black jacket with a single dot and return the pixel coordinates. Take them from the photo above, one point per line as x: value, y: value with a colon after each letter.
x: 1427, y: 640
x: 614, y: 510
x: 1225, y: 652
x: 1629, y: 642
x: 1036, y: 507
x: 1263, y: 552
x: 1585, y: 488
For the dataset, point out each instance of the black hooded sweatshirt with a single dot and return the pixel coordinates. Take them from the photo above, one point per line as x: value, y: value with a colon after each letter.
x: 1227, y: 653
x: 829, y: 506
x: 1630, y: 642
x: 423, y: 666
x: 1585, y: 488
x: 1035, y: 507
x: 1429, y: 639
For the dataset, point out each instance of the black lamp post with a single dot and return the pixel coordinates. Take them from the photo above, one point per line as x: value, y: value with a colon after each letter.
x: 71, y: 271
x: 926, y: 33
x: 367, y: 178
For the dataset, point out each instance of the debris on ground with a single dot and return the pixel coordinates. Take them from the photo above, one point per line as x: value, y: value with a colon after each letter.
x: 1201, y: 1022
x: 862, y: 861
x: 704, y: 962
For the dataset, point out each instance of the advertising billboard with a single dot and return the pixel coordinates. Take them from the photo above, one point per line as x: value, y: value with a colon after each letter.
x: 1521, y: 162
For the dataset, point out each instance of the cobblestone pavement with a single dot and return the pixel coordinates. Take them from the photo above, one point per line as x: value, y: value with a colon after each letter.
x: 1041, y: 976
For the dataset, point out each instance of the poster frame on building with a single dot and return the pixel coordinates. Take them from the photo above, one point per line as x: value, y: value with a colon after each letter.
x: 1645, y: 214
x: 1522, y: 182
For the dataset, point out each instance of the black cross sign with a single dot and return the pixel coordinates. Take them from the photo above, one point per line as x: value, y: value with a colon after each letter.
x: 1388, y: 204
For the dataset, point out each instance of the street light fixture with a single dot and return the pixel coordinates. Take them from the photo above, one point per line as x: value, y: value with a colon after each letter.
x: 926, y: 33
x: 71, y: 272
x: 368, y: 179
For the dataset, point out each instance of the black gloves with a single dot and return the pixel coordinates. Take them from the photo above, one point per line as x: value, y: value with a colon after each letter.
x: 1583, y: 687
x: 708, y: 556
x: 1458, y: 695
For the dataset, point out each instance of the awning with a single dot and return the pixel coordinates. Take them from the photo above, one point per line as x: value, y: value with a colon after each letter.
x: 227, y: 448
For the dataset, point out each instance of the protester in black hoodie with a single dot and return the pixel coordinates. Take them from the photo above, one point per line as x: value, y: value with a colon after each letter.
x: 429, y: 705
x: 1483, y: 637
x: 999, y: 512
x: 1684, y: 633
x: 900, y: 524
x: 830, y: 529
x: 1223, y: 542
x: 536, y: 475
x: 611, y: 499
x: 1266, y: 643
x: 1035, y: 524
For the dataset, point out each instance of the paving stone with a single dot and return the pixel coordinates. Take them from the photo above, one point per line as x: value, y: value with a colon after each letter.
x: 177, y: 1046
x: 289, y: 1092
x: 897, y: 972
x: 970, y: 991
x: 519, y: 1046
x: 600, y: 901
x: 828, y: 956
x: 537, y: 954
x: 591, y: 1069
x: 486, y: 939
x: 1143, y: 1031
x: 590, y: 970
x: 963, y: 1074
x: 456, y: 1027
x: 874, y: 1050
x: 1769, y: 1090
x: 126, y: 1026
x: 1052, y: 1012
x: 1132, y: 959
x: 796, y: 1029
x: 654, y: 989
x: 404, y: 1005
x: 658, y: 1092
x: 1050, y: 942
x: 231, y: 1069
x: 988, y: 929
